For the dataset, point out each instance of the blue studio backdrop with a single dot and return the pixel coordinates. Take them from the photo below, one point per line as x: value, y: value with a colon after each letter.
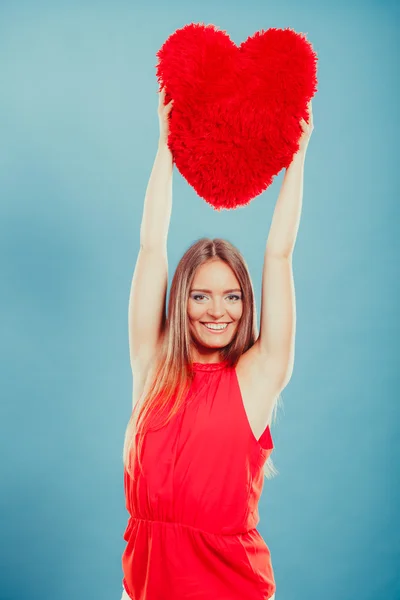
x: 78, y: 137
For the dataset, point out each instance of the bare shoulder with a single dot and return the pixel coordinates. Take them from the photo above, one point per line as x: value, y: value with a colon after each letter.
x: 260, y: 385
x: 255, y: 366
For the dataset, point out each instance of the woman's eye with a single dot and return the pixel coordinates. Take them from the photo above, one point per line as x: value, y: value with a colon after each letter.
x: 231, y: 296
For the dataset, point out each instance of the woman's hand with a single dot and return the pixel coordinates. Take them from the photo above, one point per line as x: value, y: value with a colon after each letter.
x: 307, y: 129
x: 163, y: 116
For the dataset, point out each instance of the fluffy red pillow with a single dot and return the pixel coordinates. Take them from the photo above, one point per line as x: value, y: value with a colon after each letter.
x: 235, y: 120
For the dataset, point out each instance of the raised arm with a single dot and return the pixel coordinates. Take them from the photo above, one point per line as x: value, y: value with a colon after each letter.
x: 147, y: 301
x: 273, y: 352
x: 278, y: 305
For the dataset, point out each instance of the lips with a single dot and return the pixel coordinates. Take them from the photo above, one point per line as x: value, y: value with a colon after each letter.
x: 216, y: 330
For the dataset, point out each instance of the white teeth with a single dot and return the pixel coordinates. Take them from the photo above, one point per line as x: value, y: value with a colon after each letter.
x: 210, y: 326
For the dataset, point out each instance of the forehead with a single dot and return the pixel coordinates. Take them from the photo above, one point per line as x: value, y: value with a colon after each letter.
x: 216, y: 274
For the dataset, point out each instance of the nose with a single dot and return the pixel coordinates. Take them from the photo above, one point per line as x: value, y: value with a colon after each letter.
x: 216, y: 310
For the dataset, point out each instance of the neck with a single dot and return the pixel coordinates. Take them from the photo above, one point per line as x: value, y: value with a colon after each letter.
x: 206, y: 358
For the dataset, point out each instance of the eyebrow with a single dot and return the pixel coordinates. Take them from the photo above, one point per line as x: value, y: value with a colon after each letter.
x: 210, y: 292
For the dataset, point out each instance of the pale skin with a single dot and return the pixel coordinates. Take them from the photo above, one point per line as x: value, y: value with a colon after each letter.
x: 266, y: 368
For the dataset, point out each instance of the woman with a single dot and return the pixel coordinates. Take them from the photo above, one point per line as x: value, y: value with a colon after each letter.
x: 205, y: 388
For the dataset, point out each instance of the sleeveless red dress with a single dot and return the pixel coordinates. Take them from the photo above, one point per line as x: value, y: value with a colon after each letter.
x: 191, y: 534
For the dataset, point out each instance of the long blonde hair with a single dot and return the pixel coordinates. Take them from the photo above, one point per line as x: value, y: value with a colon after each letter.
x: 173, y: 372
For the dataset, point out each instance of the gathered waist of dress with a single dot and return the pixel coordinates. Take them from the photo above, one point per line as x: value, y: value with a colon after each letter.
x: 132, y: 519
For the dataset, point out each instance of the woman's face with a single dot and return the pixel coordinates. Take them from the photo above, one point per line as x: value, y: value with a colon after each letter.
x: 215, y: 297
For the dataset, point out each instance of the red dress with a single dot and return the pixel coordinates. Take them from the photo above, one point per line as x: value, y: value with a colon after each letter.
x: 191, y: 534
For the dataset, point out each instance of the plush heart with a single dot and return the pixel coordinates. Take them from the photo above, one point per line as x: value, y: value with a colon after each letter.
x: 235, y: 121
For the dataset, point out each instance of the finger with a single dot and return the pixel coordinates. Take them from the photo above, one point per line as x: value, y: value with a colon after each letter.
x: 308, y: 117
x: 168, y: 106
x: 161, y: 99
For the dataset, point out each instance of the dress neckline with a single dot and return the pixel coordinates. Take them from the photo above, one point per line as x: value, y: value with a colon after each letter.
x: 198, y: 366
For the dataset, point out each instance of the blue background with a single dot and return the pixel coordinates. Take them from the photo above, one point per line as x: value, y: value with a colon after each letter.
x: 78, y: 137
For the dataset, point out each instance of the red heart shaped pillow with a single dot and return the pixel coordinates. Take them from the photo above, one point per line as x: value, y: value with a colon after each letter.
x: 235, y: 120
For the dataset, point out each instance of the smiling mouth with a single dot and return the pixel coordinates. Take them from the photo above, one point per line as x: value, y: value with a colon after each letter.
x: 216, y: 329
